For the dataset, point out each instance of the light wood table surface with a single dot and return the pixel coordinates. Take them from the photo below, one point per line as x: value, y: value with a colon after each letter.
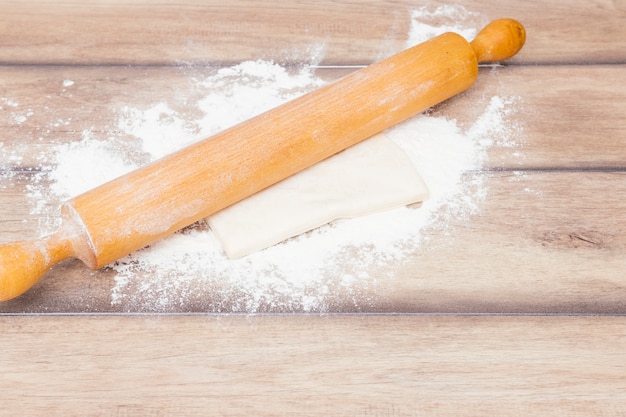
x: 520, y: 310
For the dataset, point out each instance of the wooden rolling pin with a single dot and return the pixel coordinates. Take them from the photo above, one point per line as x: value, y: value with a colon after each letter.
x: 132, y: 211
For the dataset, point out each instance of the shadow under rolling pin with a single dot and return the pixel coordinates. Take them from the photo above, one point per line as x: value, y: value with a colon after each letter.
x: 132, y: 211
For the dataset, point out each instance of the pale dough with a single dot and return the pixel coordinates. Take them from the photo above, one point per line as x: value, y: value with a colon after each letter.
x: 372, y: 176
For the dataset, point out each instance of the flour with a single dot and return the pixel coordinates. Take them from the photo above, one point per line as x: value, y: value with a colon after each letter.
x: 17, y: 117
x: 7, y: 102
x: 429, y: 21
x: 335, y: 265
x: 84, y: 165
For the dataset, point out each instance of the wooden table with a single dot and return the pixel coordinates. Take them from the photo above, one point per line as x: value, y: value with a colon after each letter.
x: 519, y: 311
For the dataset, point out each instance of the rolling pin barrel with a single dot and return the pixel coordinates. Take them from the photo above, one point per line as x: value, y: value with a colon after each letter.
x: 130, y: 212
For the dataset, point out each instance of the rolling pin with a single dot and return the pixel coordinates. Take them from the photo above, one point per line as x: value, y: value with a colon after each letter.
x: 135, y: 210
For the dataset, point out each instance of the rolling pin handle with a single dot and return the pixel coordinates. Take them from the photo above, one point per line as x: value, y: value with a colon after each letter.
x: 499, y: 40
x: 23, y: 263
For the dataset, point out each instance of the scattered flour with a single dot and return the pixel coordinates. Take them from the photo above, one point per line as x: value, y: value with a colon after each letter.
x: 429, y: 21
x: 81, y: 166
x: 336, y: 264
x: 7, y: 102
x: 18, y: 117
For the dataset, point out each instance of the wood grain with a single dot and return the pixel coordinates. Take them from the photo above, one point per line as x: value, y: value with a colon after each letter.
x: 304, y: 365
x: 548, y: 238
x: 539, y: 242
x: 554, y: 131
x: 142, y: 32
x: 567, y: 117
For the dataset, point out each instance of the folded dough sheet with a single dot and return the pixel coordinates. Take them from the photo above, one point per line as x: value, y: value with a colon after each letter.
x: 370, y: 177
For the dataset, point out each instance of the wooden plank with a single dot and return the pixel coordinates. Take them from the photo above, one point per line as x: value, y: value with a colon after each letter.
x: 543, y: 242
x: 569, y: 117
x: 312, y: 365
x: 17, y: 208
x: 539, y: 242
x: 194, y: 31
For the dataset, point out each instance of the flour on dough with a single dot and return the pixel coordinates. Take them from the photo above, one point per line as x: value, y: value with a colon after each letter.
x: 370, y: 177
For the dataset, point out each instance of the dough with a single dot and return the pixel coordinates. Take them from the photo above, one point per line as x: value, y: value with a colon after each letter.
x: 372, y: 176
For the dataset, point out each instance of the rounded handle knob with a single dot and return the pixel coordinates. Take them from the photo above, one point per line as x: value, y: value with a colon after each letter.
x: 499, y: 40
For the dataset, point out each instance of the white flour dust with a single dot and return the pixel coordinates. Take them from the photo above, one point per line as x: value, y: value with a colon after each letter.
x: 429, y: 21
x: 337, y: 264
